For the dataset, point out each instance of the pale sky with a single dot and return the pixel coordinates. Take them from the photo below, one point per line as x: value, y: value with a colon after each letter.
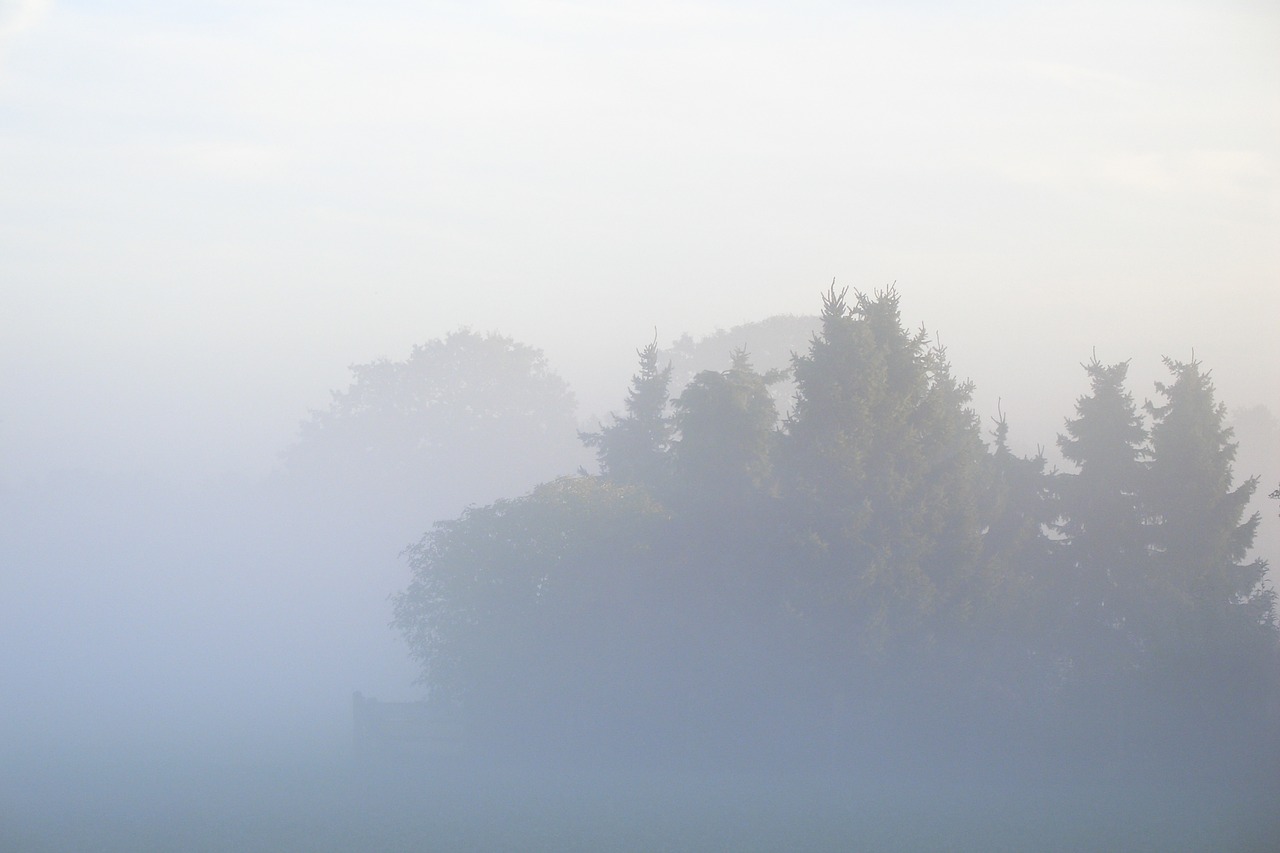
x: 207, y: 211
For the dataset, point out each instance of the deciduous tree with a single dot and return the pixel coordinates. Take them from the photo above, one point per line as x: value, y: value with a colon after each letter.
x: 465, y: 418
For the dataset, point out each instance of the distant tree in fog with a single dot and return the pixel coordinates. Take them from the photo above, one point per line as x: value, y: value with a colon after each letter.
x: 1022, y: 564
x: 634, y: 448
x: 717, y: 553
x: 1207, y: 592
x: 1169, y: 628
x: 473, y: 416
x: 1156, y: 542
x: 513, y: 601
x: 771, y: 343
x: 727, y: 427
x: 1104, y: 525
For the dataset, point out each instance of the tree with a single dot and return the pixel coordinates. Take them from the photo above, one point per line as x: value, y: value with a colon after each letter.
x: 1213, y: 600
x: 477, y: 581
x: 882, y: 456
x: 465, y: 418
x: 727, y: 427
x: 772, y: 342
x: 1021, y: 507
x: 1021, y: 562
x: 870, y: 577
x: 634, y: 448
x: 1104, y: 525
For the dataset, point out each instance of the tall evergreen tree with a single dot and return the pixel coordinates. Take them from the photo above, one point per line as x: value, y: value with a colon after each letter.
x: 882, y: 459
x: 1104, y: 526
x: 1211, y: 595
x: 1018, y: 555
x: 1021, y: 508
x: 634, y: 449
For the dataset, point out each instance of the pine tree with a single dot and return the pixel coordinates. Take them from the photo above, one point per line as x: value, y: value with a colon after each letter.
x: 1212, y: 598
x: 634, y: 449
x: 1019, y: 558
x: 882, y: 458
x: 1104, y: 526
x: 1020, y: 507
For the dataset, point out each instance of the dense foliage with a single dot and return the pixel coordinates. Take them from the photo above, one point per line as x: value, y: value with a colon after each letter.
x: 864, y: 577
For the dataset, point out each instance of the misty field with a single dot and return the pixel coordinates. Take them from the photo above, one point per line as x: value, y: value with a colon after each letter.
x: 340, y: 803
x: 868, y: 624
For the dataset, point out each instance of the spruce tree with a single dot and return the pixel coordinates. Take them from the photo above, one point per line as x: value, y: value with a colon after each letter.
x: 1104, y: 527
x: 634, y: 449
x: 1020, y: 508
x: 1213, y: 600
x: 882, y: 458
x: 1020, y: 560
x: 727, y: 426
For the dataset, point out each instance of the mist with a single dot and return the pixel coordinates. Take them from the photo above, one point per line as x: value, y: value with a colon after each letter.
x: 321, y: 335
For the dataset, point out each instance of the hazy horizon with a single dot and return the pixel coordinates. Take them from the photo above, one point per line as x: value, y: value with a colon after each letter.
x: 208, y: 216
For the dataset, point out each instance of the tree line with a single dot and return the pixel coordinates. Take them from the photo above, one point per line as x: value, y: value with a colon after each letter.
x: 867, y: 577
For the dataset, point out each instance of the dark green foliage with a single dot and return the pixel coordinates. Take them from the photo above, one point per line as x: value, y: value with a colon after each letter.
x: 866, y: 578
x: 881, y: 457
x: 486, y: 585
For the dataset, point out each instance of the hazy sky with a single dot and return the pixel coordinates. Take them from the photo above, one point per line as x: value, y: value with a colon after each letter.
x: 207, y: 211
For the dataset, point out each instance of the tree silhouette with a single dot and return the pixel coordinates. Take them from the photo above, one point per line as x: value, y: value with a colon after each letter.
x: 1206, y: 593
x: 1104, y: 525
x: 471, y: 415
x: 634, y: 448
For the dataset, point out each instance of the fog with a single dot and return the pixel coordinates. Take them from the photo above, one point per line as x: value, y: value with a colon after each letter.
x: 283, y: 285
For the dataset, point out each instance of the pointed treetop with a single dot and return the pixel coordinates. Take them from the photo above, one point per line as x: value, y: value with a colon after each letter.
x: 835, y: 305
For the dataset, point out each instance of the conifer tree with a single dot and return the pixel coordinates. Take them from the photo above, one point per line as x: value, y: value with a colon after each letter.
x: 882, y: 459
x: 1103, y: 524
x: 1018, y: 555
x: 634, y: 449
x: 1020, y: 507
x: 727, y: 426
x: 1212, y: 598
